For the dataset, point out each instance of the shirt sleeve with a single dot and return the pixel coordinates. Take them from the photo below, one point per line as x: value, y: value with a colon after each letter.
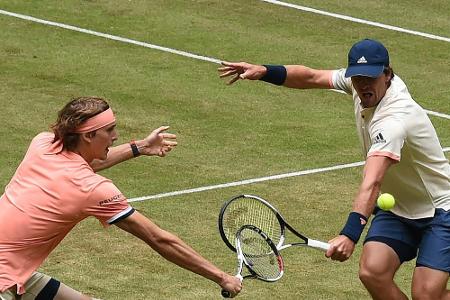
x: 340, y: 82
x: 108, y: 204
x: 387, y: 137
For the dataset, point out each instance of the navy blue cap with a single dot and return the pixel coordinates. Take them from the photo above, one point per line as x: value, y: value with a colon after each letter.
x: 367, y: 58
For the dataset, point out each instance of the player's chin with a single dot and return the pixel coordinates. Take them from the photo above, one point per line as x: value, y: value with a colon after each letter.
x: 105, y: 154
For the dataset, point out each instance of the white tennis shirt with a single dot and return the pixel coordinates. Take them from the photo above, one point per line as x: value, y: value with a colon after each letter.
x: 400, y: 129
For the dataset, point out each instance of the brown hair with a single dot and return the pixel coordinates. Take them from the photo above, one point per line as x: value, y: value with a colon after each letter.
x: 388, y: 70
x: 72, y: 115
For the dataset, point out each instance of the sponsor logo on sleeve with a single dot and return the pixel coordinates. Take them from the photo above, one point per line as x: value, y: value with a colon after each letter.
x: 115, y: 198
x: 379, y: 138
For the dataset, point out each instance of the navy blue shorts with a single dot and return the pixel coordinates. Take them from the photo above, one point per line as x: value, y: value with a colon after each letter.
x: 428, y: 239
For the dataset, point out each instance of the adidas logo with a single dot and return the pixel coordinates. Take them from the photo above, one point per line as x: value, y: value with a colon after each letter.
x: 362, y: 60
x: 379, y: 139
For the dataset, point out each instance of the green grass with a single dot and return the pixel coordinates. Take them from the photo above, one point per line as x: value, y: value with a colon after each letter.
x: 225, y: 133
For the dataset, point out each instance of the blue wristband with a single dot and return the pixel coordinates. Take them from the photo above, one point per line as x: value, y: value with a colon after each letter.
x: 275, y: 74
x: 354, y: 226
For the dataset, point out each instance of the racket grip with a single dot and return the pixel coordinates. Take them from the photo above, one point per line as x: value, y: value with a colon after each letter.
x: 227, y: 294
x: 318, y: 245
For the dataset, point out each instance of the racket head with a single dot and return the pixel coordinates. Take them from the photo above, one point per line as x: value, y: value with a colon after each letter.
x: 259, y: 254
x: 250, y: 210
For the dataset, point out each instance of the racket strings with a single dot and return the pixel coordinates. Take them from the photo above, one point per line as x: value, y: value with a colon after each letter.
x: 259, y: 255
x: 251, y: 211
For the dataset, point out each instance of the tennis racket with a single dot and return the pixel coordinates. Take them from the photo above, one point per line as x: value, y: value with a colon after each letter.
x: 248, y: 209
x: 256, y: 251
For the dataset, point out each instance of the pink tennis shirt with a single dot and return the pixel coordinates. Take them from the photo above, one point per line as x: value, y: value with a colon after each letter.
x: 51, y: 191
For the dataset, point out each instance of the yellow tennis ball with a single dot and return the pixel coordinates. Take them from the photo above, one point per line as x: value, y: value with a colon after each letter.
x: 386, y: 201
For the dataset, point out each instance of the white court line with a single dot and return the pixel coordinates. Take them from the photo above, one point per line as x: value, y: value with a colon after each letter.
x: 357, y: 20
x: 437, y: 114
x: 204, y: 58
x: 143, y: 44
x: 253, y: 180
x: 248, y: 181
x: 110, y: 37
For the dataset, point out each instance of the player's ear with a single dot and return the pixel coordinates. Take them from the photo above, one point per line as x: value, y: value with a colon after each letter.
x: 389, y: 73
x: 87, y: 137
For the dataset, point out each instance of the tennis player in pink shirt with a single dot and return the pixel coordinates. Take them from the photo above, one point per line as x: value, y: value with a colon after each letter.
x: 56, y: 186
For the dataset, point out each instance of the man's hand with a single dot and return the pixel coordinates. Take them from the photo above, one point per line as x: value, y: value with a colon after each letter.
x: 157, y: 143
x: 241, y: 70
x: 231, y: 284
x: 341, y: 248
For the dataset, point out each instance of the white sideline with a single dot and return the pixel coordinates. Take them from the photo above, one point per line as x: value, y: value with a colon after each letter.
x: 437, y: 114
x: 357, y: 20
x: 109, y: 36
x: 144, y: 44
x: 250, y: 181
